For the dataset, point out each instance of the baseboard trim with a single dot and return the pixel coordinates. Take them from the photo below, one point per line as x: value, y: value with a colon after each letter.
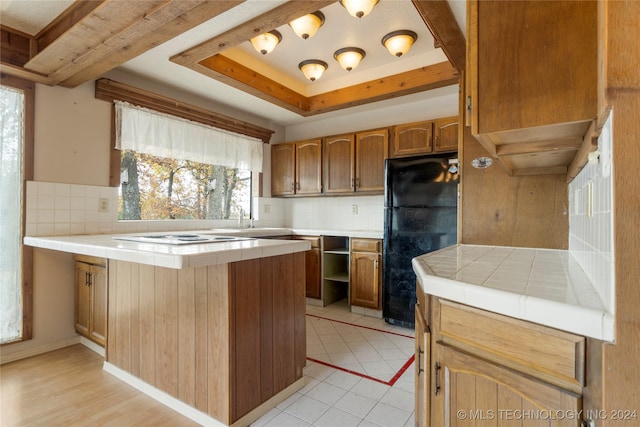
x: 34, y: 351
x: 191, y: 412
x: 93, y: 346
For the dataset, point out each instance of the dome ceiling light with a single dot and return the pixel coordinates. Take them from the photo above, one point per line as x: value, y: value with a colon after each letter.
x: 306, y: 26
x: 399, y: 42
x: 349, y: 57
x: 313, y: 68
x: 265, y: 43
x: 359, y: 8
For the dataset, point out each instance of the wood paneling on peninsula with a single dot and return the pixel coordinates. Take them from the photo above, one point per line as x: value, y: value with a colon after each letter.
x: 222, y: 338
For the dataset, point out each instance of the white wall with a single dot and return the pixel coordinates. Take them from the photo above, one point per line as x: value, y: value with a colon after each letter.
x: 71, y: 170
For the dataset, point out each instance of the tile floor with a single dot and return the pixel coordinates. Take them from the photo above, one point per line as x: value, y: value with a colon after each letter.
x: 335, y: 398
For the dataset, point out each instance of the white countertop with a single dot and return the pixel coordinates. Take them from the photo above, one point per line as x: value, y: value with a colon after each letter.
x: 184, y: 256
x: 171, y: 256
x: 543, y: 286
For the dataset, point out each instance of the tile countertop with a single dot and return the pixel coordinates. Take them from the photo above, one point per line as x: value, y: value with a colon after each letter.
x: 171, y: 256
x: 543, y: 286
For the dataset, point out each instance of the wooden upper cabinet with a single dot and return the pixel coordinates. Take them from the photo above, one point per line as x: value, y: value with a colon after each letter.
x: 412, y: 139
x: 283, y: 164
x: 531, y: 80
x: 339, y: 161
x: 445, y: 134
x: 371, y: 151
x: 296, y: 168
x: 309, y: 167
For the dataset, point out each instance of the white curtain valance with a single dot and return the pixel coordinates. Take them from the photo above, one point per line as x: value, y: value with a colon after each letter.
x: 150, y: 132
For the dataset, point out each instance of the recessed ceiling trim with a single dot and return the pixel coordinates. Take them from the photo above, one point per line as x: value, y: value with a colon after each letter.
x: 250, y: 81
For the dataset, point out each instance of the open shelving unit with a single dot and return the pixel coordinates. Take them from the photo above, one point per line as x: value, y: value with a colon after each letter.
x: 335, y: 269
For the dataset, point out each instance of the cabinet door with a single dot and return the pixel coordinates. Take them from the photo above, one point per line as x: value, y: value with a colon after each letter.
x: 422, y: 364
x: 466, y: 389
x: 371, y: 150
x: 365, y: 277
x: 412, y: 139
x: 339, y: 159
x: 309, y: 167
x: 283, y: 169
x: 535, y: 63
x: 98, y: 331
x: 312, y: 259
x: 83, y: 298
x: 446, y: 134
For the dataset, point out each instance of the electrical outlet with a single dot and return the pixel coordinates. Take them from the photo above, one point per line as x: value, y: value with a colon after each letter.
x: 103, y: 204
x: 354, y: 209
x: 267, y: 208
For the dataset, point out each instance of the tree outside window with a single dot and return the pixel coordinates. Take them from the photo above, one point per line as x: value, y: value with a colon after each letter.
x: 156, y: 188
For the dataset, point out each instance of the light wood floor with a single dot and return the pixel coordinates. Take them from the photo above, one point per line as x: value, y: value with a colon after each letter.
x: 68, y: 387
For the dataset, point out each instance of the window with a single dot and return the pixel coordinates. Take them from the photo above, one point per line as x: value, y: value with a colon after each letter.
x: 173, y: 168
x: 16, y: 153
x: 157, y: 188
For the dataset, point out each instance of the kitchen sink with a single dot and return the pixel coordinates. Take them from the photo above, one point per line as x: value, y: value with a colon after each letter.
x: 181, y: 239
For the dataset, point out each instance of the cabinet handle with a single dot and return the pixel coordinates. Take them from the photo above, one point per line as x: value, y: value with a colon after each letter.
x: 469, y: 103
x: 86, y: 278
x: 436, y: 387
x: 437, y: 141
x: 357, y: 183
x: 420, y: 360
x: 90, y: 279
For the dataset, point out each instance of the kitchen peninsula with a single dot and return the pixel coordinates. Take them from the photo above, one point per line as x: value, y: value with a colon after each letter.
x: 215, y: 330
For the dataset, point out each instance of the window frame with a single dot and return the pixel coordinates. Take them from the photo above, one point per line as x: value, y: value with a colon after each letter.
x: 29, y: 89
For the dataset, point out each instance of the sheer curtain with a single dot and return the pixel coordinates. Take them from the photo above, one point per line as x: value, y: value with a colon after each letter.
x: 150, y: 132
x: 11, y: 117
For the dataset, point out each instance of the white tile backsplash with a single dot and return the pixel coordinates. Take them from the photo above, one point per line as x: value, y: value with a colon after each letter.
x: 335, y: 213
x: 591, y: 237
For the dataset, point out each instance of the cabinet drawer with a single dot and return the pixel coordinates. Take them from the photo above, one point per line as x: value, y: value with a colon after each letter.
x: 366, y: 245
x: 548, y: 354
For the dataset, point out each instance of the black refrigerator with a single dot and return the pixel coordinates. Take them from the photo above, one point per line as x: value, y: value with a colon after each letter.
x: 420, y: 216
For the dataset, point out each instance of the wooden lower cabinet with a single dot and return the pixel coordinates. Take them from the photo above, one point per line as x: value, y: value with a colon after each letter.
x: 91, y: 298
x: 487, y: 369
x: 468, y: 390
x: 422, y: 364
x: 313, y: 263
x: 365, y: 273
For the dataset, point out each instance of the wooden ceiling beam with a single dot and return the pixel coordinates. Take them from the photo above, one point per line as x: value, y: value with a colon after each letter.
x: 93, y: 37
x: 261, y: 24
x: 439, y: 18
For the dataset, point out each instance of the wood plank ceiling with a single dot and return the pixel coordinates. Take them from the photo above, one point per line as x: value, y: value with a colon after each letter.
x: 95, y: 36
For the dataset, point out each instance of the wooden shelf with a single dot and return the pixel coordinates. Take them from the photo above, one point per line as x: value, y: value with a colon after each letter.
x: 343, y: 251
x: 339, y: 277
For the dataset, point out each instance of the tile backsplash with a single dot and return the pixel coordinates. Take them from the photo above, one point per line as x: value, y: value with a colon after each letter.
x: 56, y: 209
x: 591, y: 219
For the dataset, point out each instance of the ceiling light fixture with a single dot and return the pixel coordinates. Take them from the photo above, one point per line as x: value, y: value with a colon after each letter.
x: 306, y: 26
x: 359, y: 8
x: 399, y: 42
x: 349, y: 57
x: 313, y: 68
x: 265, y: 43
